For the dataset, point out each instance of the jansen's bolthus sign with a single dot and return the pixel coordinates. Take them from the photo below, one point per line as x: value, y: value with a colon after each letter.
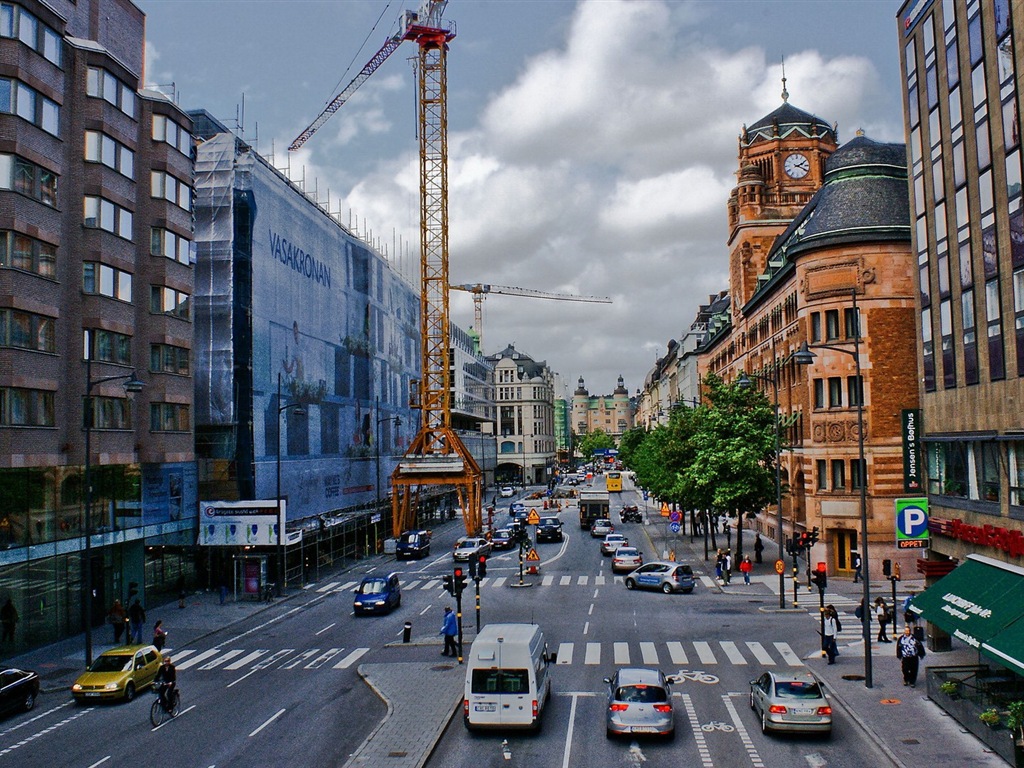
x: 911, y: 430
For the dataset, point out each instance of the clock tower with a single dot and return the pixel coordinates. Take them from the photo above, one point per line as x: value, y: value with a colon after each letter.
x: 781, y: 166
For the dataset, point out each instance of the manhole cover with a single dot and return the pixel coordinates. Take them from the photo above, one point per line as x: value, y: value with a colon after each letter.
x: 890, y: 701
x: 853, y: 677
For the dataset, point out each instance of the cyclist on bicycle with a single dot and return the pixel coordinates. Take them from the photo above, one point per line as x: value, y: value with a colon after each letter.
x: 167, y: 679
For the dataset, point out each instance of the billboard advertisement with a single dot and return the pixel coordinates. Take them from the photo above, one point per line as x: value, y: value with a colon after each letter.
x: 239, y: 523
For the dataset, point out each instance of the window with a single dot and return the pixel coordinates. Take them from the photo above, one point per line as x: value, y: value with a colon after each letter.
x: 16, y: 98
x: 819, y: 393
x: 167, y: 301
x: 970, y: 336
x: 22, y: 252
x: 168, y: 417
x: 822, y: 474
x: 946, y: 331
x: 851, y: 322
x: 832, y: 324
x: 854, y: 391
x: 169, y: 132
x: 927, y: 350
x: 164, y: 358
x: 100, y: 148
x: 838, y: 475
x: 815, y: 326
x: 101, y: 84
x: 857, y: 472
x: 986, y: 456
x: 107, y: 346
x: 108, y: 281
x: 25, y: 330
x: 167, y: 187
x: 835, y: 392
x: 101, y: 213
x: 26, y: 407
x: 111, y: 413
x: 28, y: 179
x: 993, y: 310
x: 1016, y: 453
x: 163, y: 242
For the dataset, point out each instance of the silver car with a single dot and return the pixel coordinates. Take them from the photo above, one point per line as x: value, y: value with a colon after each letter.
x: 668, y: 577
x: 611, y: 542
x: 601, y: 528
x: 639, y: 701
x: 626, y: 559
x: 470, y: 547
x: 793, y: 701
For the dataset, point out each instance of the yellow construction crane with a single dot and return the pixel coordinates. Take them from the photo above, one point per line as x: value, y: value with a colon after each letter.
x: 436, y: 456
x: 479, y: 290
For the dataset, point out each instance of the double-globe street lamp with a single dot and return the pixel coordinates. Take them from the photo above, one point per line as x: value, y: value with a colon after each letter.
x: 132, y: 385
x: 804, y: 356
x: 744, y: 383
x: 298, y: 410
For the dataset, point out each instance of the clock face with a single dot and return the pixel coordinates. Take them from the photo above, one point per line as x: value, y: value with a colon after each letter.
x: 797, y: 166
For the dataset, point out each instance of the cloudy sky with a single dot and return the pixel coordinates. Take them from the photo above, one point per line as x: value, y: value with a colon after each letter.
x: 592, y: 144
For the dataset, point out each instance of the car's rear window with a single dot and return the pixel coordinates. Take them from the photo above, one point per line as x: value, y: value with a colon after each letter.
x: 626, y: 552
x: 685, y: 570
x: 642, y: 694
x: 795, y: 689
x: 410, y: 538
x: 500, y: 681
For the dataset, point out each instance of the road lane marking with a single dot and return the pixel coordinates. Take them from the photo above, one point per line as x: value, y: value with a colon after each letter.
x: 787, y: 654
x: 565, y: 653
x: 432, y: 584
x: 268, y: 722
x: 591, y: 611
x: 182, y: 654
x: 593, y: 655
x: 565, y: 581
x: 599, y: 580
x: 325, y: 629
x: 649, y: 653
x: 733, y: 653
x: 583, y: 580
x: 704, y: 652
x: 165, y: 722
x: 546, y: 581
x: 676, y: 653
x: 346, y: 586
x: 413, y: 584
x: 38, y: 716
x: 349, y: 660
x: 252, y: 671
x: 48, y: 729
x: 500, y: 581
x: 741, y: 729
x: 323, y: 658
x: 426, y: 609
x: 698, y: 732
x: 568, y: 734
x: 247, y: 659
x: 586, y: 628
x: 274, y: 658
x: 762, y: 656
x: 197, y: 658
x: 221, y: 659
x: 620, y: 652
x: 304, y: 656
x: 329, y: 587
x: 100, y: 762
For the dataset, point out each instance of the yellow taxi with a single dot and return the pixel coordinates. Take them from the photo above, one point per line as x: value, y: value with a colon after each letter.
x: 119, y: 673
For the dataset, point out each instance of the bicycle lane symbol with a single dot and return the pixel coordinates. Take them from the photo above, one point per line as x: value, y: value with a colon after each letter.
x: 696, y: 676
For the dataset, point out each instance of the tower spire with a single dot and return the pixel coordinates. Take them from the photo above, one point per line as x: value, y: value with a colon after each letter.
x: 785, y: 93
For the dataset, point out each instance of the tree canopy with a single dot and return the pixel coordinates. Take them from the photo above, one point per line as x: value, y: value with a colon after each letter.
x: 596, y: 440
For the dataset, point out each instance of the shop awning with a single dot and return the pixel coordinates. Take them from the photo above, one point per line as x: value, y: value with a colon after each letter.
x: 1007, y: 647
x: 976, y: 602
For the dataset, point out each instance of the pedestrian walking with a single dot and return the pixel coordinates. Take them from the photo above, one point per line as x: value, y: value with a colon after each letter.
x: 758, y: 548
x: 857, y: 564
x: 159, y: 635
x: 727, y: 566
x: 136, y: 620
x: 449, y: 629
x: 909, y: 617
x: 832, y: 627
x: 116, y: 616
x: 909, y: 650
x: 181, y: 592
x: 223, y: 593
x: 745, y: 568
x: 9, y: 618
x: 883, y: 616
x: 719, y: 559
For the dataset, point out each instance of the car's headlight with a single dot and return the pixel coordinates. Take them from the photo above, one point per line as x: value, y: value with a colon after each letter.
x: 110, y: 687
x: 76, y: 687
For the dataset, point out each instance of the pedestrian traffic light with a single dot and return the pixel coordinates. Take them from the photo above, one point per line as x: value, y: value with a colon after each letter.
x: 481, y: 568
x: 805, y: 537
x: 448, y: 582
x: 813, y: 538
x: 459, y: 581
x: 820, y: 577
x: 896, y: 572
x: 887, y: 568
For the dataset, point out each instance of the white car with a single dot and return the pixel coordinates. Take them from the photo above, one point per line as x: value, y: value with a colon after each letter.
x: 611, y: 542
x: 506, y: 492
x: 469, y: 547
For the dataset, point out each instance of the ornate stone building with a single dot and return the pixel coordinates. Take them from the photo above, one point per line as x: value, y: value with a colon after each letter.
x: 612, y: 413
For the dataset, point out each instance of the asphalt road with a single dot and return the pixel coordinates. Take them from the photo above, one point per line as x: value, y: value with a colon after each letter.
x: 282, y: 689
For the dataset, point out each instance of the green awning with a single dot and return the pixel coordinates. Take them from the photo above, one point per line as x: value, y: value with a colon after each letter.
x: 1007, y: 647
x: 976, y: 601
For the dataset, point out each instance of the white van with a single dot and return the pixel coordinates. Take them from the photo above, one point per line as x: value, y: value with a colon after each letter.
x: 508, y: 682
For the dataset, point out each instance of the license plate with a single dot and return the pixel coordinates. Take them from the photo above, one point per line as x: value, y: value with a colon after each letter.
x: 803, y: 711
x: 643, y: 729
x: 92, y: 694
x: 485, y: 707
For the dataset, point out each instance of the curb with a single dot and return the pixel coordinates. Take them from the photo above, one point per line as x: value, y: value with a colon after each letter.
x: 862, y: 724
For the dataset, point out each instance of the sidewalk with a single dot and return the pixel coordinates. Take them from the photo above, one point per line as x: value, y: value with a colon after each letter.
x: 905, y: 724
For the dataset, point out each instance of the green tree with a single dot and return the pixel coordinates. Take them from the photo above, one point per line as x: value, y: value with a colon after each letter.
x: 593, y: 441
x: 629, y: 442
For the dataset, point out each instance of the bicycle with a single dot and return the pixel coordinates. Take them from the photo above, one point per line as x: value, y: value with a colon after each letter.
x: 160, y: 712
x: 698, y: 676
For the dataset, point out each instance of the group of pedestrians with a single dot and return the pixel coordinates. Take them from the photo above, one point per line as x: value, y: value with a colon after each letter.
x: 134, y: 619
x: 909, y: 646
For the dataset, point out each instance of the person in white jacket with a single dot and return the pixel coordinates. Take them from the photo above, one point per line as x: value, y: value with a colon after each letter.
x: 828, y: 639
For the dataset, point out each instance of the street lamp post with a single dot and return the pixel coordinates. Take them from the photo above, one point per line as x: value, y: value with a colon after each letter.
x: 132, y: 385
x: 744, y: 383
x: 298, y: 410
x: 380, y: 420
x: 804, y: 356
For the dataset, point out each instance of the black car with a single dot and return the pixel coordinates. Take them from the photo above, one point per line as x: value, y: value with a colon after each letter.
x: 18, y: 690
x: 549, y: 529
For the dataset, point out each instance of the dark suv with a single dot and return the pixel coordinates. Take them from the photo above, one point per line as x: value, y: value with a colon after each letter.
x: 413, y: 544
x: 549, y: 529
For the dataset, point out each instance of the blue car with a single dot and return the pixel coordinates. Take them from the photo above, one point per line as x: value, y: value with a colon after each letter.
x: 377, y: 594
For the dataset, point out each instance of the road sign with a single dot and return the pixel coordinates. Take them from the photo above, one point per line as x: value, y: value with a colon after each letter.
x: 532, y: 556
x: 664, y: 509
x: 675, y: 516
x: 533, y: 518
x: 912, y: 523
x: 780, y: 566
x: 674, y: 527
x: 645, y: 495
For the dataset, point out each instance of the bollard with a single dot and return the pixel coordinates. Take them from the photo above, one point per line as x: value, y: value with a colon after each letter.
x: 407, y: 632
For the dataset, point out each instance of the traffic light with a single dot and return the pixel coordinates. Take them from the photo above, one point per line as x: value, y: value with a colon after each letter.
x: 459, y: 581
x: 887, y: 568
x: 481, y: 568
x: 896, y: 572
x: 820, y: 577
x: 794, y: 544
x: 448, y: 581
x: 804, y: 540
x: 813, y: 539
x: 472, y: 567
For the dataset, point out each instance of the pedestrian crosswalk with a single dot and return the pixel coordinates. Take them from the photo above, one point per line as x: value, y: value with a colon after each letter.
x: 620, y: 653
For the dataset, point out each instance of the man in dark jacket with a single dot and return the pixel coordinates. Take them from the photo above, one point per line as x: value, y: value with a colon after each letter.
x: 136, y: 619
x: 909, y: 650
